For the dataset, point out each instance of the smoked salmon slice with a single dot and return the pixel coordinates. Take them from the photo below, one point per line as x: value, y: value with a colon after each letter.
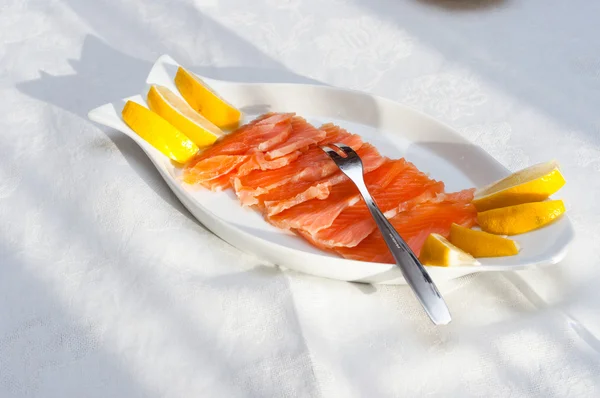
x: 261, y: 134
x: 355, y: 223
x: 320, y: 212
x: 298, y: 192
x: 232, y: 150
x: 212, y: 168
x: 257, y: 182
x: 218, y: 184
x: 312, y: 165
x: 414, y: 226
x: 335, y: 134
x: 302, y: 135
x: 258, y: 161
x: 409, y: 188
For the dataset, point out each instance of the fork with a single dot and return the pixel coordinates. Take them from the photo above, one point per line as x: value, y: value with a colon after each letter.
x: 412, y: 269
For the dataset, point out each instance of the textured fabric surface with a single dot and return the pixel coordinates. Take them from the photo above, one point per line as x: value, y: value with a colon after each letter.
x: 109, y: 288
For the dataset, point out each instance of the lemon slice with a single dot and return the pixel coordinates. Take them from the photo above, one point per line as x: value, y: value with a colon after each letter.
x: 177, y: 112
x: 513, y: 220
x: 158, y: 132
x: 482, y: 244
x: 204, y: 100
x: 533, y: 184
x: 438, y: 251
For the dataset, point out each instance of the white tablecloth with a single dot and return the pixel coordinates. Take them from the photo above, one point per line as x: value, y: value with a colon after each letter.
x: 109, y: 288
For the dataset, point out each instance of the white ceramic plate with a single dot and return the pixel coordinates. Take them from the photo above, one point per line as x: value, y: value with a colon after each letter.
x: 396, y: 130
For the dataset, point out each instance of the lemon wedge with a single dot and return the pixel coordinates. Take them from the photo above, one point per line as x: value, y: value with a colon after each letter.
x: 158, y: 132
x: 533, y: 184
x: 177, y: 112
x: 204, y: 100
x: 518, y: 219
x: 439, y: 252
x: 482, y: 244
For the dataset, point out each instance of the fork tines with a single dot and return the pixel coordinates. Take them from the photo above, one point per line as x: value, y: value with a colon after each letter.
x: 335, y: 151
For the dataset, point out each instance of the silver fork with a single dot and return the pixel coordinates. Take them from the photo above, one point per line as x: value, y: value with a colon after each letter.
x: 412, y: 269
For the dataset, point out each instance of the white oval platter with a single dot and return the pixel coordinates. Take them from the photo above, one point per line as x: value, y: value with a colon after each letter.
x: 396, y: 130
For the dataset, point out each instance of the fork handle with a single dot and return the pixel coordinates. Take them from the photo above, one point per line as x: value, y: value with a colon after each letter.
x: 412, y: 269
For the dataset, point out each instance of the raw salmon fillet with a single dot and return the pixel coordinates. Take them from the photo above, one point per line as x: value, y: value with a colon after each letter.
x: 258, y: 161
x: 414, y: 226
x: 232, y: 150
x: 302, y: 135
x: 258, y: 135
x: 335, y: 134
x: 319, y: 213
x: 298, y: 192
x: 312, y: 165
x: 218, y: 184
x: 212, y: 168
x: 409, y: 188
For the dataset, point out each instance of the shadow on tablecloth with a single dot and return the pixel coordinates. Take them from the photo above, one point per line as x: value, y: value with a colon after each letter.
x: 103, y: 74
x: 542, y: 60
